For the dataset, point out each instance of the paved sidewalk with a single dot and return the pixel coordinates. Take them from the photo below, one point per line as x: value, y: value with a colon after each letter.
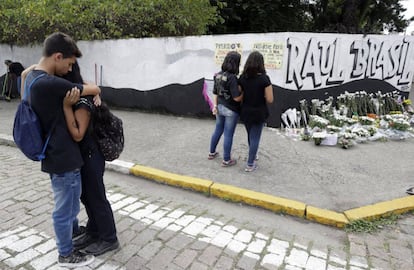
x: 325, y: 184
x: 160, y: 227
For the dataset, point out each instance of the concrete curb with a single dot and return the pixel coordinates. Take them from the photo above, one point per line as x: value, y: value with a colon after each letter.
x: 258, y: 199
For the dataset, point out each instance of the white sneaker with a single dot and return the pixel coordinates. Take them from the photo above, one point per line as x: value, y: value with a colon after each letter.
x: 251, y: 168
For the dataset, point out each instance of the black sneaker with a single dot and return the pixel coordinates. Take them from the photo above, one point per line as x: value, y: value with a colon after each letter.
x: 79, y: 232
x: 75, y: 259
x: 100, y: 247
x: 83, y: 241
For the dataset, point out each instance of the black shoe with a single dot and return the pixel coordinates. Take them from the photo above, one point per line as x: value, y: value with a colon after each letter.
x: 100, y: 247
x: 75, y: 259
x: 81, y: 230
x: 83, y: 241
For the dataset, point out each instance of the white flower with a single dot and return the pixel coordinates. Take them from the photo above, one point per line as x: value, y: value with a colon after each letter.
x: 365, y: 120
x: 361, y: 132
x: 319, y: 135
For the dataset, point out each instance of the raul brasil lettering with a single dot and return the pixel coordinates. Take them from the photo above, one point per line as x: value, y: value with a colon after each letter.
x: 327, y: 63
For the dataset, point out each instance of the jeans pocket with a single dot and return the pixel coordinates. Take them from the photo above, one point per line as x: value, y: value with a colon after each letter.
x: 224, y: 111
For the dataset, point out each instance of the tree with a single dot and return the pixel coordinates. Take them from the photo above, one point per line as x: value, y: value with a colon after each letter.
x: 30, y: 21
x: 252, y: 16
x: 358, y: 16
x: 341, y: 16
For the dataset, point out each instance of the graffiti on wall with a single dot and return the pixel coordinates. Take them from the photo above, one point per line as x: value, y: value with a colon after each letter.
x: 319, y: 63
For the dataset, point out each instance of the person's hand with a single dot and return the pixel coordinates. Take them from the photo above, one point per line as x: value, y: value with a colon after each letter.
x: 71, y: 97
x: 97, y: 100
x: 27, y: 70
x: 214, y: 110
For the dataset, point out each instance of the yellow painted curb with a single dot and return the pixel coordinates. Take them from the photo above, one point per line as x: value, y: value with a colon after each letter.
x: 276, y: 204
x: 373, y: 211
x: 326, y: 217
x: 197, y: 184
x: 254, y: 198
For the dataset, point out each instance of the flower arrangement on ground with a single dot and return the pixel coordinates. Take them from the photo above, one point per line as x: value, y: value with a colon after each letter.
x: 318, y: 121
x: 346, y: 140
x: 357, y: 117
x: 318, y: 137
x: 366, y: 121
x: 397, y: 121
x: 407, y: 106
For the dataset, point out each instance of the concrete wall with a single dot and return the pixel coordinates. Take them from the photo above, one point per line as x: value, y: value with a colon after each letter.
x: 300, y: 65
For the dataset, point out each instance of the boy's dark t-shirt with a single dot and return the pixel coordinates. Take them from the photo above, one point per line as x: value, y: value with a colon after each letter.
x: 46, y: 94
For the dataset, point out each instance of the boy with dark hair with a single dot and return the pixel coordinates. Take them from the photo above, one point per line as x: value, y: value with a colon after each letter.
x: 63, y: 158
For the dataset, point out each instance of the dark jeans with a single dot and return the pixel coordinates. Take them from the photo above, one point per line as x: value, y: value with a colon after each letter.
x: 101, y: 221
x: 254, y: 132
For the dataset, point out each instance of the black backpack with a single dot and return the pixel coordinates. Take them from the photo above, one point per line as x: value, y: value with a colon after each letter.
x: 109, y: 132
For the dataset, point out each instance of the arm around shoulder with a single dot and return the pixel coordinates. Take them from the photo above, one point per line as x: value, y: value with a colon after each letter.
x: 90, y: 90
x: 23, y: 79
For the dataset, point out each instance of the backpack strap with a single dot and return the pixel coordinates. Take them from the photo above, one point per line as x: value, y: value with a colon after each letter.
x: 26, y: 95
x: 43, y: 155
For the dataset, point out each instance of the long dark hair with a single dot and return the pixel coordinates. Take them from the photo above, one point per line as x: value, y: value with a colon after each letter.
x: 100, y: 114
x: 231, y: 62
x: 254, y: 64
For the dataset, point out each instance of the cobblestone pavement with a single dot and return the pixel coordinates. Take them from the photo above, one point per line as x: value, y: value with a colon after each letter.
x: 161, y: 227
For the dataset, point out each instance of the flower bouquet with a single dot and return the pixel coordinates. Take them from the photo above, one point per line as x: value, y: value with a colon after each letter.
x: 317, y: 121
x: 372, y: 130
x: 305, y: 134
x: 346, y: 140
x: 397, y: 121
x: 318, y: 137
x: 332, y: 128
x: 338, y: 120
x: 407, y: 106
x: 361, y: 134
x: 366, y: 121
x: 400, y: 124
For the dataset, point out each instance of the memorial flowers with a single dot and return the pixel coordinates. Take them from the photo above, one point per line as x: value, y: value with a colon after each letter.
x: 397, y: 122
x: 407, y: 106
x: 346, y: 140
x: 355, y: 118
x: 318, y: 137
x: 365, y: 120
x: 318, y: 121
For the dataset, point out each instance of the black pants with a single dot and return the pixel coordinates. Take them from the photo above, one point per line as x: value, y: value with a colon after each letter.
x: 101, y: 221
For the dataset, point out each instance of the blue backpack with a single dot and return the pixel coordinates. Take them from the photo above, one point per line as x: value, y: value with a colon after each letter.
x: 27, y: 131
